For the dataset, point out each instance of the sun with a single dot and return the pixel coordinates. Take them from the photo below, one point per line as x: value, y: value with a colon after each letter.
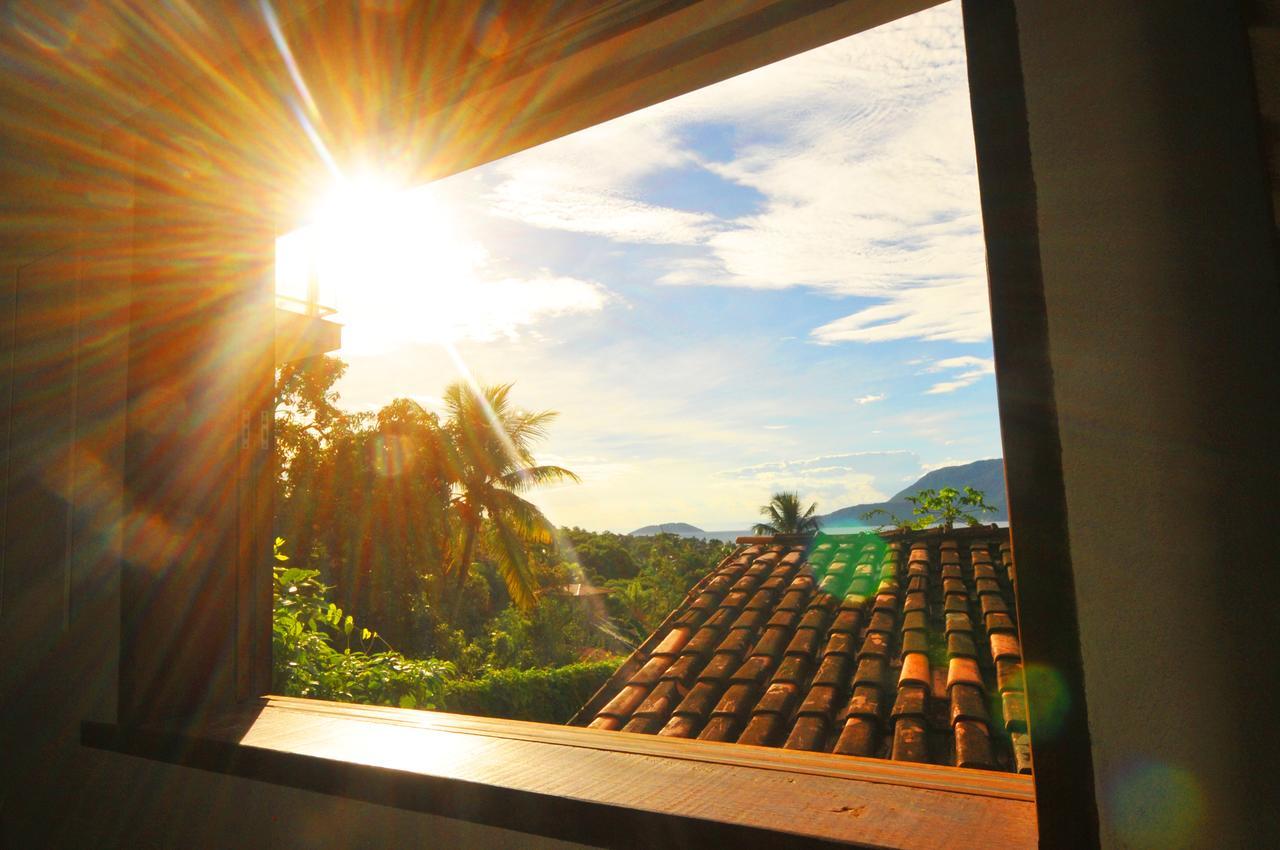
x: 393, y: 263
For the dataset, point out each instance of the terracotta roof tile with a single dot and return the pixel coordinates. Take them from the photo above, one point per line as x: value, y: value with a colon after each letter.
x: 840, y: 643
x: 704, y: 641
x: 867, y: 701
x: 973, y: 744
x: 963, y: 671
x: 967, y: 703
x: 682, y: 726
x: 910, y: 743
x: 772, y: 642
x: 605, y: 722
x: 1021, y: 743
x: 652, y: 671
x: 779, y: 698
x: 751, y: 618
x: 910, y: 701
x: 646, y: 725
x: 762, y: 730
x: 821, y: 699
x: 915, y: 670
x: 1014, y: 707
x: 805, y: 642
x: 847, y: 621
x: 881, y: 621
x: 1000, y: 622
x: 914, y: 620
x: 993, y: 604
x: 987, y: 585
x: 720, y: 667
x: 858, y: 738
x: 871, y: 671
x: 834, y: 671
x: 625, y: 702
x: 737, y: 640
x: 661, y: 700
x: 857, y: 648
x: 721, y: 728
x: 1009, y: 676
x: 794, y: 668
x: 1004, y: 645
x: 674, y: 641
x: 809, y: 733
x: 915, y: 640
x: 961, y: 644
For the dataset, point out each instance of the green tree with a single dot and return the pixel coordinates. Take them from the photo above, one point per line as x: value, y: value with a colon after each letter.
x: 605, y: 557
x: 363, y: 497
x: 785, y: 517
x: 948, y: 505
x: 492, y: 465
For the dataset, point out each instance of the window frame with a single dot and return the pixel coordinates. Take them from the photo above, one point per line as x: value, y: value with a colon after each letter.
x: 164, y: 671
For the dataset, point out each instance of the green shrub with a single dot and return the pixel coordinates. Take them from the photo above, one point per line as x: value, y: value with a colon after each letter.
x: 548, y: 695
x: 305, y: 662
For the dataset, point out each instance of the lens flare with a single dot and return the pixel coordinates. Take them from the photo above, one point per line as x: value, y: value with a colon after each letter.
x: 1157, y: 805
x: 1050, y: 700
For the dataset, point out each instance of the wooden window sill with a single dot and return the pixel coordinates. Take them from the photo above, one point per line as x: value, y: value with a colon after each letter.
x: 592, y: 786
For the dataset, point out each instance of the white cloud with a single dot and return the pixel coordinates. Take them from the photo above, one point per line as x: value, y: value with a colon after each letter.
x: 585, y: 183
x: 834, y: 481
x: 871, y: 398
x: 969, y: 370
x: 955, y: 312
x: 615, y: 216
x: 862, y: 154
x: 985, y: 365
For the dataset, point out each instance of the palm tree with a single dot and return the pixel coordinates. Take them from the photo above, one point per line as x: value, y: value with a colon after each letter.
x: 783, y: 512
x: 492, y: 464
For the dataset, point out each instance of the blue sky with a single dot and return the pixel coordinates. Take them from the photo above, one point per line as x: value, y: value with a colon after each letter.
x: 774, y: 282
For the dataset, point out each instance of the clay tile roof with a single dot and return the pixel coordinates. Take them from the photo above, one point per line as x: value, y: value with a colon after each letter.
x: 897, y: 647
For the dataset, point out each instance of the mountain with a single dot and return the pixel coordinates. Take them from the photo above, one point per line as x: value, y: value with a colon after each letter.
x: 681, y: 528
x: 984, y: 475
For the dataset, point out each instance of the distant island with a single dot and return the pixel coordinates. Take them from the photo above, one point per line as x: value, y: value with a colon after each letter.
x: 984, y: 475
x: 683, y: 529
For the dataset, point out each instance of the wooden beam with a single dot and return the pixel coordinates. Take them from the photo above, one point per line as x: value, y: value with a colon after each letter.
x: 571, y: 788
x: 1036, y: 495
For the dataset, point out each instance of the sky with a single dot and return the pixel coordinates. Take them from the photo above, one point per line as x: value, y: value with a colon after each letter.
x: 775, y: 282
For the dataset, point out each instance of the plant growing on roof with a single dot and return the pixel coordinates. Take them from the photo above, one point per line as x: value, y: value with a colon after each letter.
x: 785, y: 516
x: 492, y: 465
x: 947, y: 505
x: 885, y: 521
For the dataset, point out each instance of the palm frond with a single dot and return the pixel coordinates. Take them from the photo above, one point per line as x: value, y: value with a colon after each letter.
x: 531, y: 476
x: 506, y: 508
x: 511, y: 556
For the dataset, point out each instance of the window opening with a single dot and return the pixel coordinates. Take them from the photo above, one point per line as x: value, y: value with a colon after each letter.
x: 684, y: 424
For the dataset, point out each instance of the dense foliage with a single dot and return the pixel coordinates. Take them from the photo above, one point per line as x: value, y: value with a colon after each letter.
x: 305, y: 628
x: 549, y: 695
x: 416, y: 523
